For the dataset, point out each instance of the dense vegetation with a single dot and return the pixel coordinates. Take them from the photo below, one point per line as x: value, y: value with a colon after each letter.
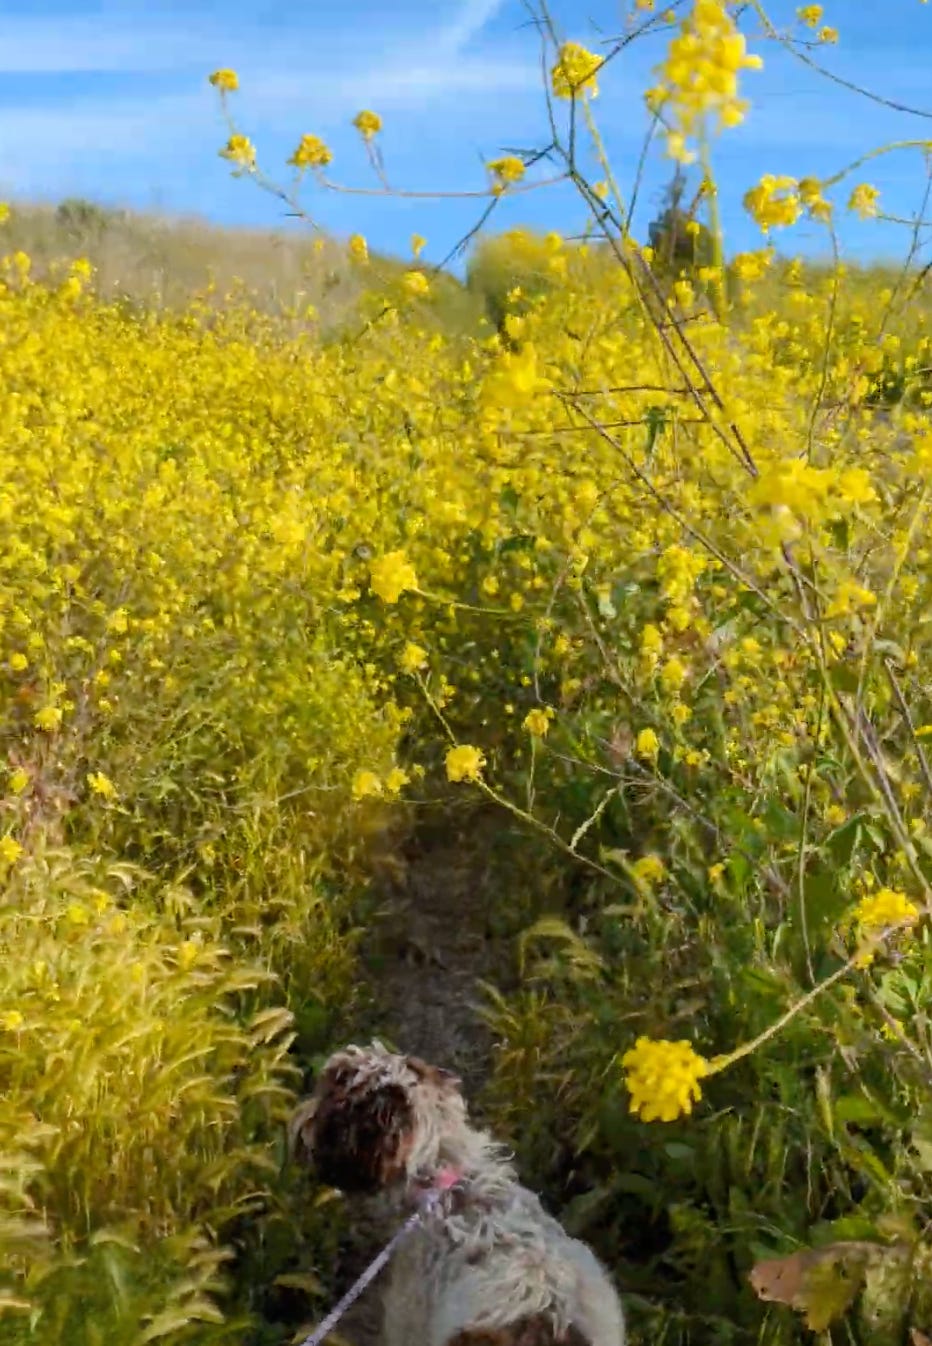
x: 627, y: 543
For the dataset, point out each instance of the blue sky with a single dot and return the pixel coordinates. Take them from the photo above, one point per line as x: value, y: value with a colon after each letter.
x: 108, y: 99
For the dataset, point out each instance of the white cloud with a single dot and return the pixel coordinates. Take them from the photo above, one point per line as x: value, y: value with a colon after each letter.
x: 468, y: 24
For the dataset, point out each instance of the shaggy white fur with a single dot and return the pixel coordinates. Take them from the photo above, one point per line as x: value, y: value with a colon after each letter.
x: 491, y: 1266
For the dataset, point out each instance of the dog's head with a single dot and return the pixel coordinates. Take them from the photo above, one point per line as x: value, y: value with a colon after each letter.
x: 377, y: 1119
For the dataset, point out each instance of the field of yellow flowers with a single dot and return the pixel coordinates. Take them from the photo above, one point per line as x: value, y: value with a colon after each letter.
x: 646, y: 572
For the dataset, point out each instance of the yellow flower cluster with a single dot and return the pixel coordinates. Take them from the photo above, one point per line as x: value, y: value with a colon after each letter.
x: 574, y: 72
x: 311, y: 153
x: 775, y: 202
x: 663, y: 1079
x: 367, y: 123
x: 505, y: 172
x: 863, y: 200
x: 226, y: 81
x: 886, y: 907
x: 698, y: 80
x: 240, y: 150
x: 392, y: 575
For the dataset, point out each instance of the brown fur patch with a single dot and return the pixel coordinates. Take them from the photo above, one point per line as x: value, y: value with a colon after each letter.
x: 360, y: 1135
x: 537, y: 1330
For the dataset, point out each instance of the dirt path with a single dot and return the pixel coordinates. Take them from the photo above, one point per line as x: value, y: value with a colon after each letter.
x: 425, y: 957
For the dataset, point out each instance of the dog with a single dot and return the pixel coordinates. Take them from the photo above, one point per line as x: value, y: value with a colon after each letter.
x: 488, y: 1266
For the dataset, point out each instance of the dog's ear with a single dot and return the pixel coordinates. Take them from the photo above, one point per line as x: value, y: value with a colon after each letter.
x: 435, y: 1075
x: 361, y: 1133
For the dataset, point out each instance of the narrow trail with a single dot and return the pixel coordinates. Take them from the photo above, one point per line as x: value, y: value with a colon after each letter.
x: 425, y: 959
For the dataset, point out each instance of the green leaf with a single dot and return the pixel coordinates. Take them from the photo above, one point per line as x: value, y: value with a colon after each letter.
x: 841, y: 843
x: 844, y: 678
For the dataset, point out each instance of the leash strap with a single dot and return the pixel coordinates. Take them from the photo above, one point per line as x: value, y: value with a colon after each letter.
x: 372, y: 1270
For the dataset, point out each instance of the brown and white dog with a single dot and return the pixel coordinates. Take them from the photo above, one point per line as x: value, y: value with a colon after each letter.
x: 493, y: 1269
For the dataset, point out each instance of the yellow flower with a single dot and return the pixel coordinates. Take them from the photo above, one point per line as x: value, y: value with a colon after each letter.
x: 418, y: 244
x: 11, y: 1020
x: 810, y: 15
x: 18, y: 662
x: 78, y: 914
x: 240, y: 150
x: 413, y: 657
x: 19, y: 779
x: 507, y: 169
x: 648, y: 870
x: 48, y: 718
x: 651, y: 643
x: 715, y: 872
x: 4, y: 212
x: 515, y: 379
x: 575, y: 72
x: 368, y: 124
x: 396, y: 780
x: 663, y: 1079
x: 311, y: 153
x: 10, y: 850
x: 828, y: 35
x: 101, y: 785
x: 464, y: 763
x: 227, y: 81
x: 366, y: 785
x: 359, y: 249
x: 416, y: 283
x: 886, y: 907
x: 391, y: 575
x: 863, y: 200
x: 537, y: 721
x: 774, y: 202
x: 647, y: 745
x: 673, y: 674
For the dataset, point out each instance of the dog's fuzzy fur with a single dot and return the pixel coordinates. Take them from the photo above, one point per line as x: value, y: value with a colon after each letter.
x: 494, y: 1269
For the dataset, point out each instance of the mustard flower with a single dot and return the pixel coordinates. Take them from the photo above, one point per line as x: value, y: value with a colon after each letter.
x: 416, y: 283
x: 507, y: 170
x: 810, y: 15
x: 18, y: 662
x: 19, y: 779
x: 863, y: 200
x: 227, y: 81
x: 774, y: 202
x: 648, y: 870
x: 413, y: 657
x: 101, y: 785
x: 537, y: 721
x: 396, y: 780
x: 368, y: 124
x: 575, y: 72
x: 48, y: 718
x: 647, y: 745
x: 392, y: 575
x: 663, y: 1079
x: 359, y: 249
x: 240, y: 150
x: 464, y: 763
x: 11, y: 1021
x: 886, y: 907
x: 828, y: 35
x: 366, y: 785
x: 10, y: 850
x: 311, y: 153
x: 418, y: 244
